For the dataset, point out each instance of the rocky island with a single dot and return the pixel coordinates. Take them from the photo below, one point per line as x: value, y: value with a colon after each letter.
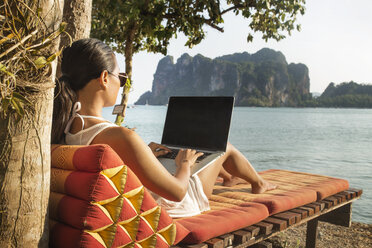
x: 261, y: 79
x: 344, y: 95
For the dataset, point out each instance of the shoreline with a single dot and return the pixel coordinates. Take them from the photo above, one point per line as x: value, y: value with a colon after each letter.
x: 359, y: 235
x: 132, y: 105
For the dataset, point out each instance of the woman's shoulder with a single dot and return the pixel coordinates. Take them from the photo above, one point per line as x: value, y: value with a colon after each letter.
x: 114, y: 134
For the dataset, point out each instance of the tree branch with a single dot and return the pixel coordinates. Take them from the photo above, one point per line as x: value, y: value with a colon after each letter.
x: 239, y: 6
x: 206, y: 21
x: 209, y: 23
x: 232, y: 8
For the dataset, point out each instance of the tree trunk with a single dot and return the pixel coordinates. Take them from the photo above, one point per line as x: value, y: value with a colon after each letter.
x: 128, y: 69
x: 78, y: 16
x: 25, y: 161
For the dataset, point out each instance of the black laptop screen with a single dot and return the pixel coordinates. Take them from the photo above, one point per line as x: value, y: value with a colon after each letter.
x: 198, y: 122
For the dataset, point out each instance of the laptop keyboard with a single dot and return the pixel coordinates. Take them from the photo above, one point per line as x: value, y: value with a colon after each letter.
x: 173, y: 155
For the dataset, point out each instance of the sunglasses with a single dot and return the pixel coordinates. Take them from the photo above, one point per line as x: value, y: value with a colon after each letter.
x: 122, y: 76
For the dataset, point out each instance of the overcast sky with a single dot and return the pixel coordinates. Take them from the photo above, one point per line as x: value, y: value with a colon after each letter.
x: 335, y: 43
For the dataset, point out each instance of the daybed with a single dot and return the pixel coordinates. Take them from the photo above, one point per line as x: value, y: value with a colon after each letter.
x: 97, y: 201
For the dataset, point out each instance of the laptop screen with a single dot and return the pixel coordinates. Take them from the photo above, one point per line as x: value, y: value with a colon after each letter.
x: 198, y: 122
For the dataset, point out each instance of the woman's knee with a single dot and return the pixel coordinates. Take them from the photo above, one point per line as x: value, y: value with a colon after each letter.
x: 230, y: 149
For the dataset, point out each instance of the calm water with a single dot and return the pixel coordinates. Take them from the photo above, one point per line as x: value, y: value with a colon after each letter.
x: 333, y: 142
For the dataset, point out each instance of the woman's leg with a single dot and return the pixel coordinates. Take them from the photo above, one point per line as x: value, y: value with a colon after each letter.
x: 237, y: 165
x: 228, y: 179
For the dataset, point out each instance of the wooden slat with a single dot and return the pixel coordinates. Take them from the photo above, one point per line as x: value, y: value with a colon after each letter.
x: 357, y: 191
x: 241, y: 236
x: 300, y: 211
x: 328, y: 204
x: 335, y: 198
x: 298, y: 217
x: 228, y: 239
x: 254, y: 230
x: 313, y: 206
x: 310, y: 211
x: 278, y: 224
x: 353, y: 194
x: 340, y: 198
x: 215, y: 243
x: 332, y: 199
x: 291, y: 218
x: 265, y: 228
x: 320, y: 204
x: 346, y: 194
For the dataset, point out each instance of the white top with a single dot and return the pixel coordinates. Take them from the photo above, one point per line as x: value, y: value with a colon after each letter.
x: 84, y: 136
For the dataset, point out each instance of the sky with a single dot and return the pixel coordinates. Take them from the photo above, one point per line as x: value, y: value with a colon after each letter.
x: 335, y: 42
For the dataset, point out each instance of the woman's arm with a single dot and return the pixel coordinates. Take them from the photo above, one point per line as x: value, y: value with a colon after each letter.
x: 139, y: 157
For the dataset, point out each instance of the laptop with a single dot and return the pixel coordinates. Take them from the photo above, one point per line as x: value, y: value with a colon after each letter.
x: 199, y: 123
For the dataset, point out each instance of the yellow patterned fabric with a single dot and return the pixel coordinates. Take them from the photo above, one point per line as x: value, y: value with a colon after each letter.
x: 103, y: 205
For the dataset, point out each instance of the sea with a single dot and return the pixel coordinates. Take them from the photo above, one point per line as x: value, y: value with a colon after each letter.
x: 329, y: 141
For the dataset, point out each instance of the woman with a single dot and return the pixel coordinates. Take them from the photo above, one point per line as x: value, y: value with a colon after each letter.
x: 90, y: 81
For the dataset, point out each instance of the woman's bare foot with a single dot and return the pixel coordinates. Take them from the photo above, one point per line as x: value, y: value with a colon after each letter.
x: 233, y: 181
x: 262, y: 187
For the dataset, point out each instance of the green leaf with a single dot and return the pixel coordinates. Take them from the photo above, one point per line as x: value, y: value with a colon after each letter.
x: 21, y: 98
x: 5, y: 70
x: 128, y: 85
x: 54, y: 56
x: 40, y: 62
x: 8, y: 37
x: 38, y: 11
x: 5, y: 104
x: 119, y: 120
x: 250, y: 38
x: 17, y: 106
x: 62, y: 26
x: 268, y: 4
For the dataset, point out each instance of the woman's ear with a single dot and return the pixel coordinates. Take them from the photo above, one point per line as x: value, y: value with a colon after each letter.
x: 103, y: 79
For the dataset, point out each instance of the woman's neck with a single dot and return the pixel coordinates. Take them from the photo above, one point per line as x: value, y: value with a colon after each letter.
x: 90, y: 106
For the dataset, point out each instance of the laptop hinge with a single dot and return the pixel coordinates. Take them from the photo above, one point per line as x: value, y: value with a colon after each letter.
x: 195, y: 148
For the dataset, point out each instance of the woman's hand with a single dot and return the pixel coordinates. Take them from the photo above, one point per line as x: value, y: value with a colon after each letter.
x: 187, y: 157
x: 158, y: 149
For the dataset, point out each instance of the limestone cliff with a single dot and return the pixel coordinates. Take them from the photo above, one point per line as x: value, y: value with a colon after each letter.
x: 260, y: 79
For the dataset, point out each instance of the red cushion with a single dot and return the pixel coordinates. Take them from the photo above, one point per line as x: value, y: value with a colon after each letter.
x: 330, y: 186
x: 294, y: 189
x: 62, y: 236
x: 100, y: 202
x: 78, y: 213
x: 214, y: 223
x: 92, y: 158
x: 83, y: 185
x: 122, y: 238
x: 323, y: 185
x: 285, y: 201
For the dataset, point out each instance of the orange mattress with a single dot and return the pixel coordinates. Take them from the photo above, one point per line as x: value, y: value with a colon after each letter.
x: 235, y: 207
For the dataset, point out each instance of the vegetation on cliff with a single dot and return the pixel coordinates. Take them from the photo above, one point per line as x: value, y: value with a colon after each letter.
x: 263, y: 79
x: 260, y: 79
x: 344, y: 95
